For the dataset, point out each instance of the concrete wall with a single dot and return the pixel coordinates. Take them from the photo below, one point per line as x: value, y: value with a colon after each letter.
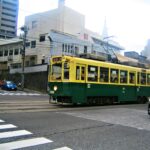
x: 35, y: 81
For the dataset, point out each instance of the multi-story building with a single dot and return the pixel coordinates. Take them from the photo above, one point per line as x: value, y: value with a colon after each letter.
x: 8, y: 18
x: 10, y: 53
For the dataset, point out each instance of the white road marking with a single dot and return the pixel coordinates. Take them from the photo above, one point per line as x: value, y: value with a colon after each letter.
x: 2, y: 121
x: 24, y: 143
x: 21, y: 94
x: 14, y: 133
x: 7, y: 126
x: 21, y: 143
x: 63, y: 148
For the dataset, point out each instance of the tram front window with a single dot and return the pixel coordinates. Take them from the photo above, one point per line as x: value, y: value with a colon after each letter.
x: 57, y: 71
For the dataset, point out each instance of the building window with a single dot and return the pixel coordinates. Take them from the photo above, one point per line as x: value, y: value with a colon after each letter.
x: 85, y: 49
x: 6, y: 53
x: 34, y: 24
x: 33, y: 44
x: 10, y: 32
x: 76, y: 50
x: 9, y: 3
x: 1, y: 53
x: 63, y: 47
x: 42, y: 38
x: 27, y: 44
x: 16, y: 52
x: 32, y: 61
x: 9, y: 26
x: 10, y: 9
x: 4, y: 19
x: 69, y: 48
x: 2, y: 36
x: 10, y: 52
x: 72, y: 49
x: 7, y: 14
x: 16, y: 65
x: 2, y: 31
x: 66, y: 48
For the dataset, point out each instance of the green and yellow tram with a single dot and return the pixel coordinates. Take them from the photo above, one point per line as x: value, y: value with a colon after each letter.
x: 85, y: 81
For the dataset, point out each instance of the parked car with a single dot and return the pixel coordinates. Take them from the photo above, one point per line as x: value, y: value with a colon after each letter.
x: 9, y: 85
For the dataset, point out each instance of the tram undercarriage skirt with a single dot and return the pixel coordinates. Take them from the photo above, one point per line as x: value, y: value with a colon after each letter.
x: 64, y: 99
x: 102, y: 100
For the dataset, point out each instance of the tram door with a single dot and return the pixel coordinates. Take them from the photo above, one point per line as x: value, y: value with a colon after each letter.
x: 132, y: 81
x: 80, y: 88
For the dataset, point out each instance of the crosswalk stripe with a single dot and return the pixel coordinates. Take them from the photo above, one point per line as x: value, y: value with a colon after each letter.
x: 14, y: 133
x: 63, y: 148
x: 24, y: 143
x: 2, y: 121
x: 20, y: 94
x: 7, y: 126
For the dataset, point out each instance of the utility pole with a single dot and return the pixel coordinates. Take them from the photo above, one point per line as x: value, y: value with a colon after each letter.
x: 25, y: 30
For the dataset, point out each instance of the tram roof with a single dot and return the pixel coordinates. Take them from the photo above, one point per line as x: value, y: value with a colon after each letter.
x: 90, y: 61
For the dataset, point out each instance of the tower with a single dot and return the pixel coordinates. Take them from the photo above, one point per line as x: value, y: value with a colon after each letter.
x: 105, y: 30
x: 61, y: 3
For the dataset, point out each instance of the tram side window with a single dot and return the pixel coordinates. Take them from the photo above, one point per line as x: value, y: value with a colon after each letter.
x: 123, y: 76
x: 92, y: 73
x: 114, y: 75
x: 131, y: 78
x: 104, y: 74
x: 143, y: 78
x: 77, y: 73
x: 66, y: 71
x: 82, y: 73
x: 148, y: 79
x: 138, y: 78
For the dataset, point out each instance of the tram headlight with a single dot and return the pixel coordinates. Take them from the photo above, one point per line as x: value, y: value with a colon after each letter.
x: 55, y: 88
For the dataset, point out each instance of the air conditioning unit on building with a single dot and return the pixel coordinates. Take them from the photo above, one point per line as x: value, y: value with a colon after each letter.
x: 10, y: 58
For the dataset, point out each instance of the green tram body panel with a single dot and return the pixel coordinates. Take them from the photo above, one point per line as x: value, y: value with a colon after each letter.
x: 79, y: 92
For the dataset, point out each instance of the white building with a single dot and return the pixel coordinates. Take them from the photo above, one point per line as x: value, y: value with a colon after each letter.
x: 10, y: 53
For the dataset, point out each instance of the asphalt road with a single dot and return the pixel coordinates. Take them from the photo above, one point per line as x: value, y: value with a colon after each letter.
x: 117, y: 127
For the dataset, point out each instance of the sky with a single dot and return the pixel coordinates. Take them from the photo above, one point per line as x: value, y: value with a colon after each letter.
x: 127, y: 20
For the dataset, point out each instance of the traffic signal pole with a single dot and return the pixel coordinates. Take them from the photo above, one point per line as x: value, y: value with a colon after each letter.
x: 24, y: 29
